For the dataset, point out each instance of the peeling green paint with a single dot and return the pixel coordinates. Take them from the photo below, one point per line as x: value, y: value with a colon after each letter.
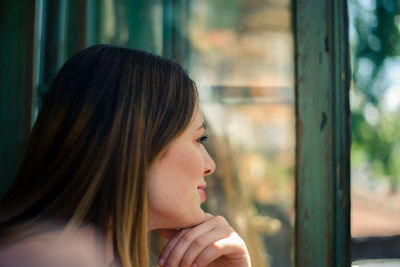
x: 322, y: 153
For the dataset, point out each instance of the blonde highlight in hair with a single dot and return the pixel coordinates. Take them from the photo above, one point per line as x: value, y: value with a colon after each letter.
x: 108, y: 115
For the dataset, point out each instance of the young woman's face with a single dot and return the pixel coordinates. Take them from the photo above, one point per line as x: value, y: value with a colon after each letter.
x: 176, y: 180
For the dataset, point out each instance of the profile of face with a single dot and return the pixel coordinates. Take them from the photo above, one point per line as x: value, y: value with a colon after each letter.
x: 176, y: 180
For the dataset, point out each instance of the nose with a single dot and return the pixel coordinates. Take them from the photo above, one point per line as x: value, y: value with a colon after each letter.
x: 209, y: 164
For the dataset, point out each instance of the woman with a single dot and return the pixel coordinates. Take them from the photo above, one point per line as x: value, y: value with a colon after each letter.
x: 116, y: 152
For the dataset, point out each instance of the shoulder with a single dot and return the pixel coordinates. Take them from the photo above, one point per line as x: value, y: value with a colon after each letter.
x: 28, y: 252
x: 77, y: 248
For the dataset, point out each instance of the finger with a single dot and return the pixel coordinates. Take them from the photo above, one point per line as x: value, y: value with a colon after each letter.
x: 170, y: 246
x: 231, y: 248
x: 173, y: 256
x: 208, y: 216
x: 173, y: 235
x: 202, y: 242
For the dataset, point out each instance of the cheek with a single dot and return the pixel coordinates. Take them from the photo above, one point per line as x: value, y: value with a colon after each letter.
x: 190, y: 165
x: 173, y: 205
x: 164, y: 190
x: 173, y: 181
x: 183, y: 163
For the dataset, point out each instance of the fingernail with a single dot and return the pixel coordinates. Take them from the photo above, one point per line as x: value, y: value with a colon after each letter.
x: 161, y: 261
x: 194, y: 265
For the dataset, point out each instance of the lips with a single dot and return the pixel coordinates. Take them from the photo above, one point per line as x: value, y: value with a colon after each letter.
x: 202, y: 192
x: 202, y: 186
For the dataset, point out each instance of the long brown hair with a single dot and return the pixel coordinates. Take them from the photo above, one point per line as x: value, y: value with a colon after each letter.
x: 108, y: 115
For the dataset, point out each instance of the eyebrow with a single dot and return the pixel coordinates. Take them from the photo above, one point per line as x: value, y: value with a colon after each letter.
x: 203, y: 125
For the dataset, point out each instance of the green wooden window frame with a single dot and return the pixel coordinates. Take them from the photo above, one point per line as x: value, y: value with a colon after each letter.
x: 323, y: 133
x: 322, y: 101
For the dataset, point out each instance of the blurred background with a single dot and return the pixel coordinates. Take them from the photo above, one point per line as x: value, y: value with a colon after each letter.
x: 375, y: 120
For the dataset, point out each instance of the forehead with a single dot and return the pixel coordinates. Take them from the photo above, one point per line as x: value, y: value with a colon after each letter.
x: 197, y: 119
x: 196, y: 124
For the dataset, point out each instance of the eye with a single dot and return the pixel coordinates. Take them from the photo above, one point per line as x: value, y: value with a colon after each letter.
x: 202, y: 139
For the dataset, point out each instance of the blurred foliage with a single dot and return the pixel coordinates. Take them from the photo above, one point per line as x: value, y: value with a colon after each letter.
x: 375, y: 41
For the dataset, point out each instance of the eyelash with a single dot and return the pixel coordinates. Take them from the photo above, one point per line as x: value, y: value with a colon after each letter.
x: 202, y: 139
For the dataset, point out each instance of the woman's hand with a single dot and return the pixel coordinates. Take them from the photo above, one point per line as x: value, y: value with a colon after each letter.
x: 212, y: 243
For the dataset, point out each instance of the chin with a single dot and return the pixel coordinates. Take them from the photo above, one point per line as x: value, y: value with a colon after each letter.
x: 188, y: 220
x: 183, y: 219
x: 195, y: 219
